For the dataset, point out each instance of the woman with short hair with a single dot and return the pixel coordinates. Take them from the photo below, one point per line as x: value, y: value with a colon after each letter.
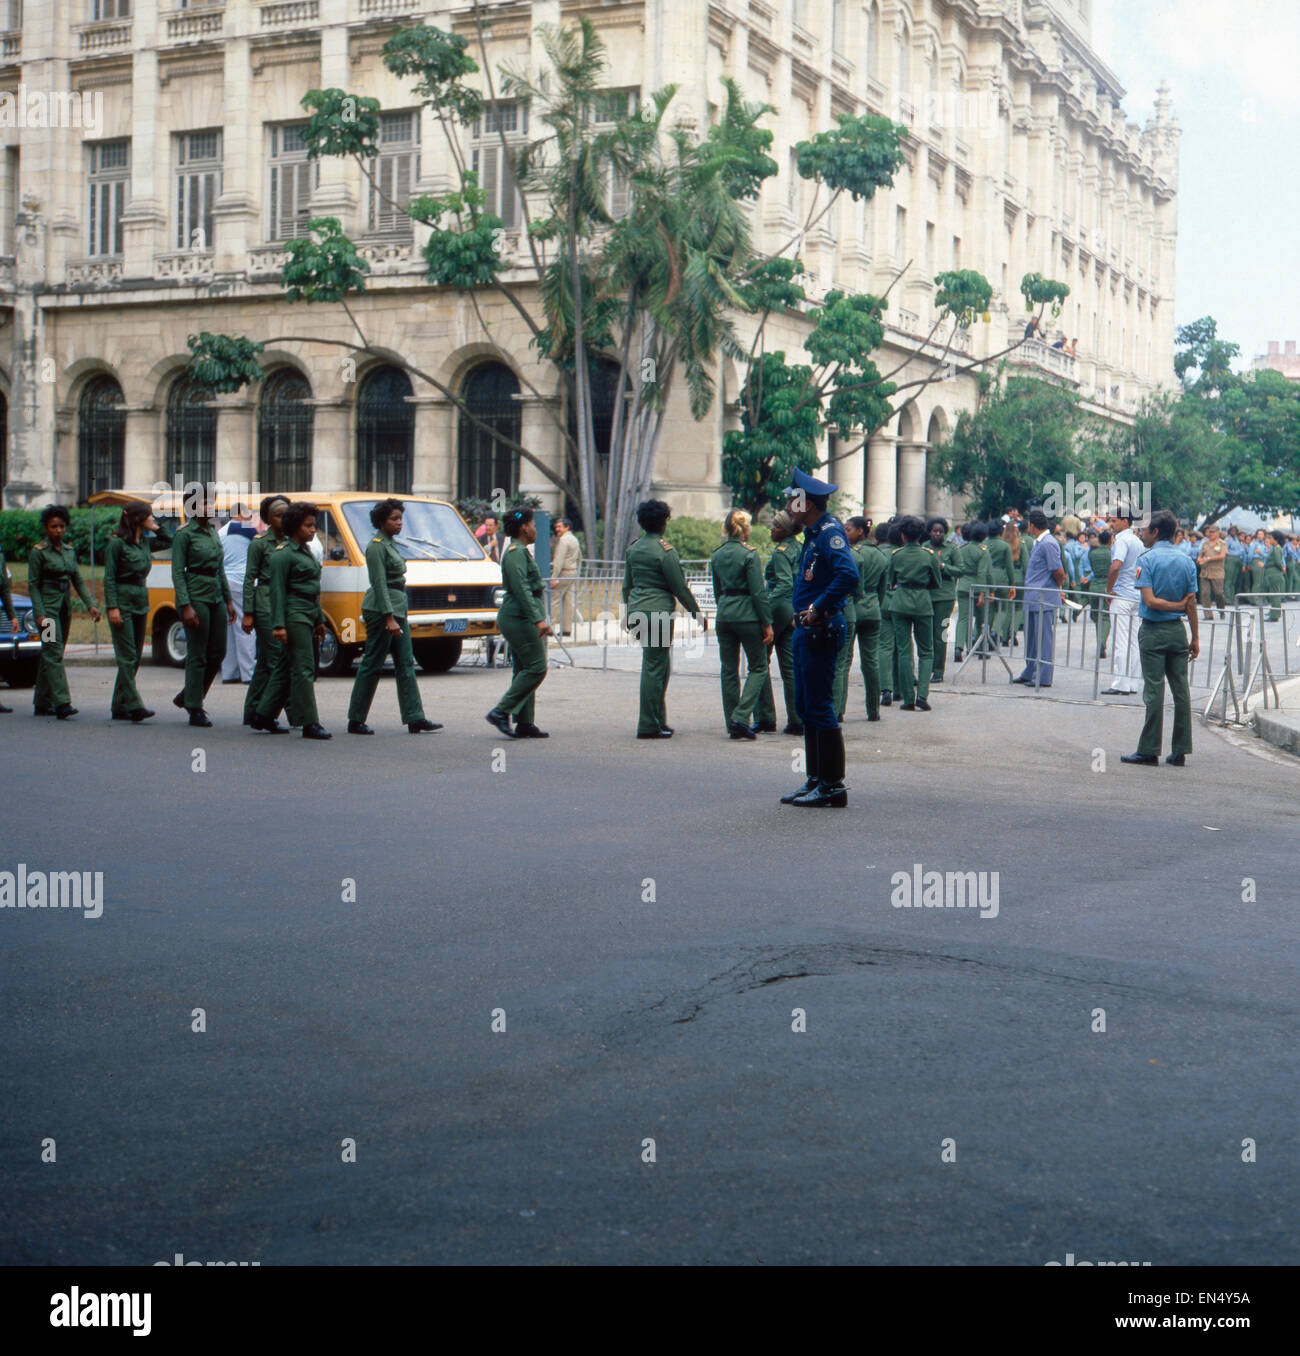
x: 743, y: 622
x: 52, y: 571
x: 126, y: 598
x: 521, y: 619
x: 257, y: 600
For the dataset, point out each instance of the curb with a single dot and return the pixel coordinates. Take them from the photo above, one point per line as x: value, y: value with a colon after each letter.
x: 1275, y: 726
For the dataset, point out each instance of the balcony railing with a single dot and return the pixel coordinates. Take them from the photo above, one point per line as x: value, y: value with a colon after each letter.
x: 389, y: 255
x: 102, y: 272
x: 1035, y: 353
x: 289, y: 13
x: 194, y: 25
x: 266, y: 262
x: 106, y: 36
x: 183, y: 266
x: 370, y: 8
x: 11, y: 46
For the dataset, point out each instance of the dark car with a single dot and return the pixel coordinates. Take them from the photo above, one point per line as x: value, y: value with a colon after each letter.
x: 20, y: 647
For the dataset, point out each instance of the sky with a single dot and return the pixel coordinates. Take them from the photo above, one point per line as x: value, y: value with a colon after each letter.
x: 1233, y: 68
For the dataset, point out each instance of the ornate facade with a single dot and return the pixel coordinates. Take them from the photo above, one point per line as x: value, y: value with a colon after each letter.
x: 159, y: 203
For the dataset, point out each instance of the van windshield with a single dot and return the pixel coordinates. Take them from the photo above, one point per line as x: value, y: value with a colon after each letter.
x: 429, y: 531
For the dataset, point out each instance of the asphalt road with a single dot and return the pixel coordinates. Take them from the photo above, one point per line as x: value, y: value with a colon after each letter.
x: 648, y: 917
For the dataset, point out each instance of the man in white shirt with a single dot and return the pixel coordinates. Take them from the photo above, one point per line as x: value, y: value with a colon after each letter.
x: 1121, y: 586
x: 236, y: 537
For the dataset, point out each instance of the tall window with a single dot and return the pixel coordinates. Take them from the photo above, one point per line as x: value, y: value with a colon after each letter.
x: 902, y: 61
x: 395, y: 171
x: 929, y: 249
x: 191, y: 432
x: 101, y: 437
x: 495, y: 170
x: 292, y: 179
x: 385, y: 432
x: 285, y: 421
x: 838, y: 37
x: 900, y: 233
x: 484, y: 462
x: 11, y: 14
x: 614, y: 105
x: 871, y: 43
x: 111, y: 9
x: 110, y: 191
x: 198, y: 186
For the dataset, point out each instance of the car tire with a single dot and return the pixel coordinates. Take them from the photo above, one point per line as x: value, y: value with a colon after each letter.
x: 334, y: 660
x: 169, y: 641
x: 21, y: 672
x: 437, y: 656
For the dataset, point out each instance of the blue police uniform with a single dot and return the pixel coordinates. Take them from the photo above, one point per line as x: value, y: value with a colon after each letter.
x: 826, y: 577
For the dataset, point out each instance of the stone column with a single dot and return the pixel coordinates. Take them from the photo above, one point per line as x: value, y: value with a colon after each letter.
x: 237, y: 440
x: 336, y: 193
x: 332, y: 459
x: 142, y: 457
x: 435, y: 443
x: 538, y: 433
x: 235, y: 212
x: 911, y: 478
x: 32, y: 471
x: 144, y: 223
x: 882, y: 483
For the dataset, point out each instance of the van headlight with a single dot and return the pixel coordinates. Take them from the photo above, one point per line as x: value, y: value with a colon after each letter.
x: 498, y: 597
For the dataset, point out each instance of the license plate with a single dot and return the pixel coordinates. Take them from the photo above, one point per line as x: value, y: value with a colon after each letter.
x: 455, y: 624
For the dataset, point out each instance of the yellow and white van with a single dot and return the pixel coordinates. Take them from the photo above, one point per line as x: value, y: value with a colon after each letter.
x: 453, y: 587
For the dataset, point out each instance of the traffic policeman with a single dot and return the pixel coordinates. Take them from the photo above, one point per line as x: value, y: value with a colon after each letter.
x: 827, y: 576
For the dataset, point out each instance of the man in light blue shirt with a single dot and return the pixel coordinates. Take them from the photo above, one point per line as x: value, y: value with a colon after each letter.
x: 1166, y: 580
x: 1125, y: 664
x: 1044, y: 577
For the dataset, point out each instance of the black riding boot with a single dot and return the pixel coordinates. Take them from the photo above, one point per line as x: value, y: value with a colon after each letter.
x: 830, y: 791
x: 810, y: 751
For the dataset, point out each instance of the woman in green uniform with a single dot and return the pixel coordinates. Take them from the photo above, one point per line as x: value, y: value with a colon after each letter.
x: 126, y: 598
x: 778, y: 574
x: 944, y: 598
x: 298, y: 624
x: 1275, y: 574
x: 1099, y: 567
x: 913, y: 579
x: 257, y: 600
x: 521, y: 619
x: 744, y: 622
x: 384, y: 612
x: 886, y: 546
x: 1004, y: 590
x: 51, y: 575
x: 866, y: 607
x: 200, y: 587
x: 1020, y: 548
x: 652, y: 582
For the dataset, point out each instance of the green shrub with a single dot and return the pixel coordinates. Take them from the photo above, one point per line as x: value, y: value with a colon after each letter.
x: 698, y: 538
x: 20, y: 530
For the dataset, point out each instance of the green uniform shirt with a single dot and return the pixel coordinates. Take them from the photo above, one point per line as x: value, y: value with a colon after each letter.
x: 387, y: 592
x: 126, y: 575
x: 913, y: 578
x: 872, y: 571
x: 652, y: 577
x: 779, y: 574
x: 1000, y: 560
x: 976, y: 568
x: 887, y: 555
x: 1099, y: 564
x: 1020, y: 565
x: 950, y: 570
x: 523, y: 585
x: 738, y: 584
x: 257, y: 576
x: 295, y: 585
x: 198, y: 565
x: 51, y: 572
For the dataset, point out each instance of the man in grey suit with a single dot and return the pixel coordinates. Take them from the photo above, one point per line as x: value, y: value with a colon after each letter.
x: 566, y: 560
x: 1044, y: 577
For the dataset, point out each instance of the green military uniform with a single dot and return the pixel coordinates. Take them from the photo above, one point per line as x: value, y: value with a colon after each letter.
x: 913, y: 578
x: 1274, y: 579
x: 126, y: 587
x: 1231, y: 577
x: 294, y: 591
x: 199, y: 581
x: 943, y: 600
x: 257, y: 602
x: 386, y: 597
x: 652, y: 580
x: 1019, y: 569
x: 517, y: 618
x: 1254, y: 578
x: 743, y: 611
x: 844, y: 659
x: 778, y: 574
x: 867, y: 614
x: 1003, y: 577
x: 1292, y: 575
x: 52, y: 573
x: 976, y: 574
x: 885, y: 656
x: 1099, y: 564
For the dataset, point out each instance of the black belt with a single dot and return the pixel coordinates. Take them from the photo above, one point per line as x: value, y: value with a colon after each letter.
x: 207, y: 574
x: 132, y: 578
x: 735, y: 593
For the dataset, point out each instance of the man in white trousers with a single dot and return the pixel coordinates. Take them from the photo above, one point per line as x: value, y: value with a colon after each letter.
x: 236, y: 537
x: 1125, y: 662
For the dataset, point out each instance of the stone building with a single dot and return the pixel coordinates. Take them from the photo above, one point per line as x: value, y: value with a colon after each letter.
x: 152, y: 169
x: 1288, y: 362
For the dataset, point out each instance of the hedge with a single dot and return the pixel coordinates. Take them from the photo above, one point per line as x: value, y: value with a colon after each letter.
x: 20, y: 530
x: 698, y: 538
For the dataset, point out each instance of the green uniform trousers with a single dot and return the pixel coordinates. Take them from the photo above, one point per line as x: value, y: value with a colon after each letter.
x: 844, y: 661
x: 1100, y: 616
x: 205, y: 648
x: 292, y: 682
x: 1164, y: 648
x: 268, y: 648
x: 868, y: 636
x: 738, y: 703
x: 1275, y: 586
x: 885, y: 653
x: 128, y: 646
x: 913, y: 686
x: 939, y: 635
x: 1231, y: 578
x: 528, y: 659
x: 656, y: 667
x: 51, y: 681
x: 379, y: 640
x: 783, y: 647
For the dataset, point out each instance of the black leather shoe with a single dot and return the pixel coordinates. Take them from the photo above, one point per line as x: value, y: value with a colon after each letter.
x: 315, y: 732
x: 359, y: 727
x: 6, y: 710
x: 1102, y: 654
x: 739, y: 731
x: 423, y: 726
x: 886, y: 699
x: 63, y: 712
x: 1146, y: 759
x: 1024, y: 682
x: 936, y: 678
x: 143, y: 714
x: 922, y: 706
x: 871, y: 717
x: 809, y: 786
x: 42, y: 710
x: 178, y: 701
x: 655, y: 734
x: 908, y: 706
x: 1177, y: 760
x: 499, y: 718
x: 200, y: 718
x: 1116, y: 692
x: 765, y: 727
x: 269, y: 725
x: 824, y: 796
x: 121, y: 715
x: 530, y: 731
x: 666, y: 729
x: 956, y: 656
x: 793, y: 729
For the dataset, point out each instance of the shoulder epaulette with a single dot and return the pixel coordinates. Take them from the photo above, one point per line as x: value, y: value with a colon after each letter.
x: 665, y: 543
x: 748, y: 546
x: 377, y: 537
x: 40, y: 546
x: 280, y: 545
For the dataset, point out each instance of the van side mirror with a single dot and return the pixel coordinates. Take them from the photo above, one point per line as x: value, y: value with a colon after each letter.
x: 338, y: 553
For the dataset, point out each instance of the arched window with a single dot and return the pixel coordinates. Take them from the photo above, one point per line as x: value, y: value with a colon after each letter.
x: 871, y: 41
x: 101, y: 437
x: 385, y: 432
x: 484, y: 462
x: 284, y: 432
x: 191, y: 432
x: 903, y: 63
